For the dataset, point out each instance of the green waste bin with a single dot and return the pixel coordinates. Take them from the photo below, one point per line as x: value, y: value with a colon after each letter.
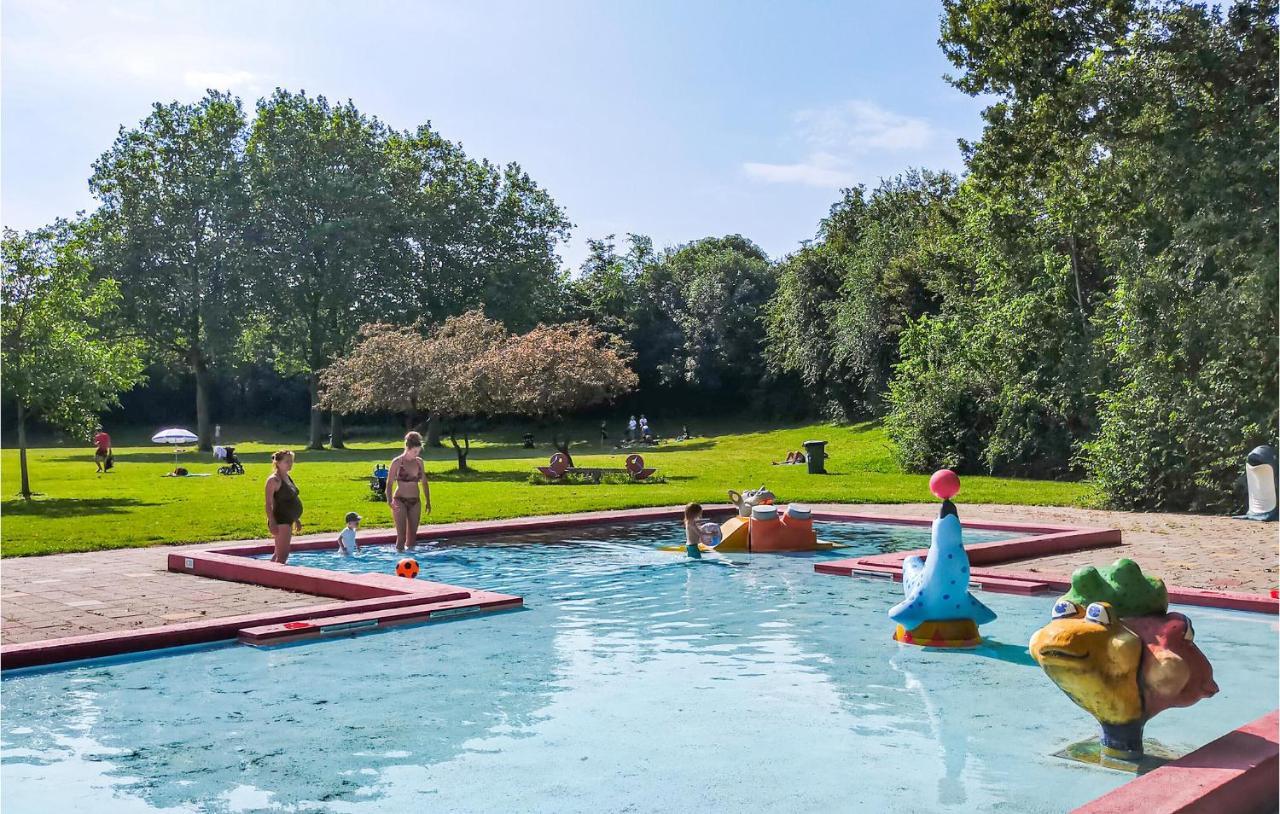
x: 815, y: 455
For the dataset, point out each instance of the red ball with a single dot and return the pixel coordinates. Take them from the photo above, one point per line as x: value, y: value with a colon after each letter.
x: 408, y: 568
x: 944, y: 483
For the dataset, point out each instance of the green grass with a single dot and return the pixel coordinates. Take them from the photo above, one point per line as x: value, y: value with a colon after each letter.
x: 79, y: 510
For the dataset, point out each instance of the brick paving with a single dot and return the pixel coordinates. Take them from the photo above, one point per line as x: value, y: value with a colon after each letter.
x: 72, y: 594
x: 99, y: 591
x: 1186, y: 550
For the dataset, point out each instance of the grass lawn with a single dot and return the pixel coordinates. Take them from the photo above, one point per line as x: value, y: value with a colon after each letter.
x: 79, y: 510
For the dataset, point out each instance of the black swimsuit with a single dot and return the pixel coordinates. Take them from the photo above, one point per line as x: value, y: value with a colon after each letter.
x: 286, y: 505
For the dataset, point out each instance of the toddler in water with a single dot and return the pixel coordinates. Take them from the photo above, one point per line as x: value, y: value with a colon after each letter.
x: 696, y: 534
x: 347, y: 539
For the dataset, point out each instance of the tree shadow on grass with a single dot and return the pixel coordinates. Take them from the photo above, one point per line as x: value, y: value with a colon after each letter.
x: 71, y: 506
x: 478, y: 476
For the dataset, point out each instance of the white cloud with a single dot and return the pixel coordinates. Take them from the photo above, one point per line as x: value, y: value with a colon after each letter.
x: 129, y: 46
x: 839, y: 139
x: 820, y: 170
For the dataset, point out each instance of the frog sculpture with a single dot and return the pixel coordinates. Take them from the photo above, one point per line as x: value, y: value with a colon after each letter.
x: 1115, y: 649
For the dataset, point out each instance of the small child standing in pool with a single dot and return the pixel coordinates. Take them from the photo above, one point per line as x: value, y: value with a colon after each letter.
x: 347, y: 539
x: 692, y: 532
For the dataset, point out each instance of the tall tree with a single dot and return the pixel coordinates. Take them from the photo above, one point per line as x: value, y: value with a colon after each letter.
x: 720, y: 287
x: 1119, y: 219
x: 322, y: 213
x: 172, y: 219
x: 471, y: 234
x: 63, y: 362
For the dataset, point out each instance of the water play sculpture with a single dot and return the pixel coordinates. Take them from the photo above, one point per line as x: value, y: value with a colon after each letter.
x: 1115, y: 649
x: 938, y: 610
x: 1263, y: 478
x: 762, y: 527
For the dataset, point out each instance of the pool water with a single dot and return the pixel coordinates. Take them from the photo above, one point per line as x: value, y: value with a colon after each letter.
x: 635, y: 680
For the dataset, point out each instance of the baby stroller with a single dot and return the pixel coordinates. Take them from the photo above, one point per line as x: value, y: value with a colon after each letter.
x: 231, y: 464
x: 378, y: 483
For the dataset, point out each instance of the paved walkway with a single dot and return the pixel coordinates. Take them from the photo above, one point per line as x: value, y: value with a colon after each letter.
x: 98, y: 591
x: 1186, y: 550
x: 71, y: 594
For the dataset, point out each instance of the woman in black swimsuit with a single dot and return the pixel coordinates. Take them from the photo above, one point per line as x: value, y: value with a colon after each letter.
x: 284, y: 507
x: 405, y: 475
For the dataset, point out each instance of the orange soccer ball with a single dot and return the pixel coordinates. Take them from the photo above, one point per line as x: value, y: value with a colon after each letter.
x: 407, y: 568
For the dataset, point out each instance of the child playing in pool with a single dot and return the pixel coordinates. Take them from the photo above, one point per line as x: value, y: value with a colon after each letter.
x: 696, y: 534
x: 347, y: 539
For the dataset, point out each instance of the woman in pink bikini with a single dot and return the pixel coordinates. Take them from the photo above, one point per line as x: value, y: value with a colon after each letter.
x: 403, y: 478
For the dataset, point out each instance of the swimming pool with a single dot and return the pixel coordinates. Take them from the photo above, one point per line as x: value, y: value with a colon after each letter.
x: 634, y: 680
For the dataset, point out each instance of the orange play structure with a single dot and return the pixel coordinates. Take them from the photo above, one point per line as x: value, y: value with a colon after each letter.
x: 772, y: 528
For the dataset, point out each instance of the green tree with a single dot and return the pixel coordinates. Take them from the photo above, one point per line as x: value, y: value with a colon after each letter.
x: 716, y: 290
x: 471, y: 234
x: 171, y: 231
x: 323, y: 218
x: 63, y: 363
x: 1119, y: 223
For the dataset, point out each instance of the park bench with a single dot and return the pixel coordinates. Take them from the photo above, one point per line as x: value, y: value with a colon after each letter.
x: 559, y: 467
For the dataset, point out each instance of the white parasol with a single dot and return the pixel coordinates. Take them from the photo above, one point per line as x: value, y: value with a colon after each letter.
x: 174, y: 436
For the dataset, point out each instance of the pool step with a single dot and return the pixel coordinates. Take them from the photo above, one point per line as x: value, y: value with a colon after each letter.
x: 469, y: 603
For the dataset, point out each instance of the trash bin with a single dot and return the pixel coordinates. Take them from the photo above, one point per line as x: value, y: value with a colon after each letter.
x: 816, y: 456
x: 527, y: 438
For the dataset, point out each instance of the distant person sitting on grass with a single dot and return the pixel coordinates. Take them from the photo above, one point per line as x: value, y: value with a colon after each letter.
x: 284, y: 506
x: 102, y: 453
x: 347, y: 543
x: 792, y: 458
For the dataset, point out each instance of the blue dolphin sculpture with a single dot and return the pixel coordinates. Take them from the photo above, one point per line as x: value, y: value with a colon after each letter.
x: 937, y: 587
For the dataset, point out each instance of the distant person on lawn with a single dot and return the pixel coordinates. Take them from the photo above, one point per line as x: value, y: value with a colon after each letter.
x: 284, y: 506
x: 407, y: 473
x: 102, y: 453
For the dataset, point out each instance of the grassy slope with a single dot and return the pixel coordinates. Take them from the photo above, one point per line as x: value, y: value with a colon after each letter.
x: 79, y: 510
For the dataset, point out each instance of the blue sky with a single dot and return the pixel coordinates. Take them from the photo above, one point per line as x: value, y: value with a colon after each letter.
x: 674, y: 119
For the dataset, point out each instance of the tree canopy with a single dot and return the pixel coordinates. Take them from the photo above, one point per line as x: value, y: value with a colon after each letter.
x: 469, y: 367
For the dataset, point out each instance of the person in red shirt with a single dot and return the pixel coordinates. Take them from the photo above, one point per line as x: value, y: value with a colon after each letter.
x: 103, y: 443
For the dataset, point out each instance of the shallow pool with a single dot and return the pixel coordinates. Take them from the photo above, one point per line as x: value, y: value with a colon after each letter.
x: 634, y: 680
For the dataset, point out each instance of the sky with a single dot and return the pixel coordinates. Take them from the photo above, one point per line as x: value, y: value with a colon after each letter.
x: 678, y: 120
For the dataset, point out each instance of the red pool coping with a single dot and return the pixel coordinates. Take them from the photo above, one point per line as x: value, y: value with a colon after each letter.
x: 1238, y: 772
x: 369, y: 600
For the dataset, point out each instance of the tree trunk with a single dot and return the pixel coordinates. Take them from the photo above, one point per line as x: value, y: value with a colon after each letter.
x: 204, y: 428
x: 22, y: 451
x: 433, y: 431
x: 1075, y: 272
x: 335, y: 431
x: 316, y: 439
x: 461, y: 450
